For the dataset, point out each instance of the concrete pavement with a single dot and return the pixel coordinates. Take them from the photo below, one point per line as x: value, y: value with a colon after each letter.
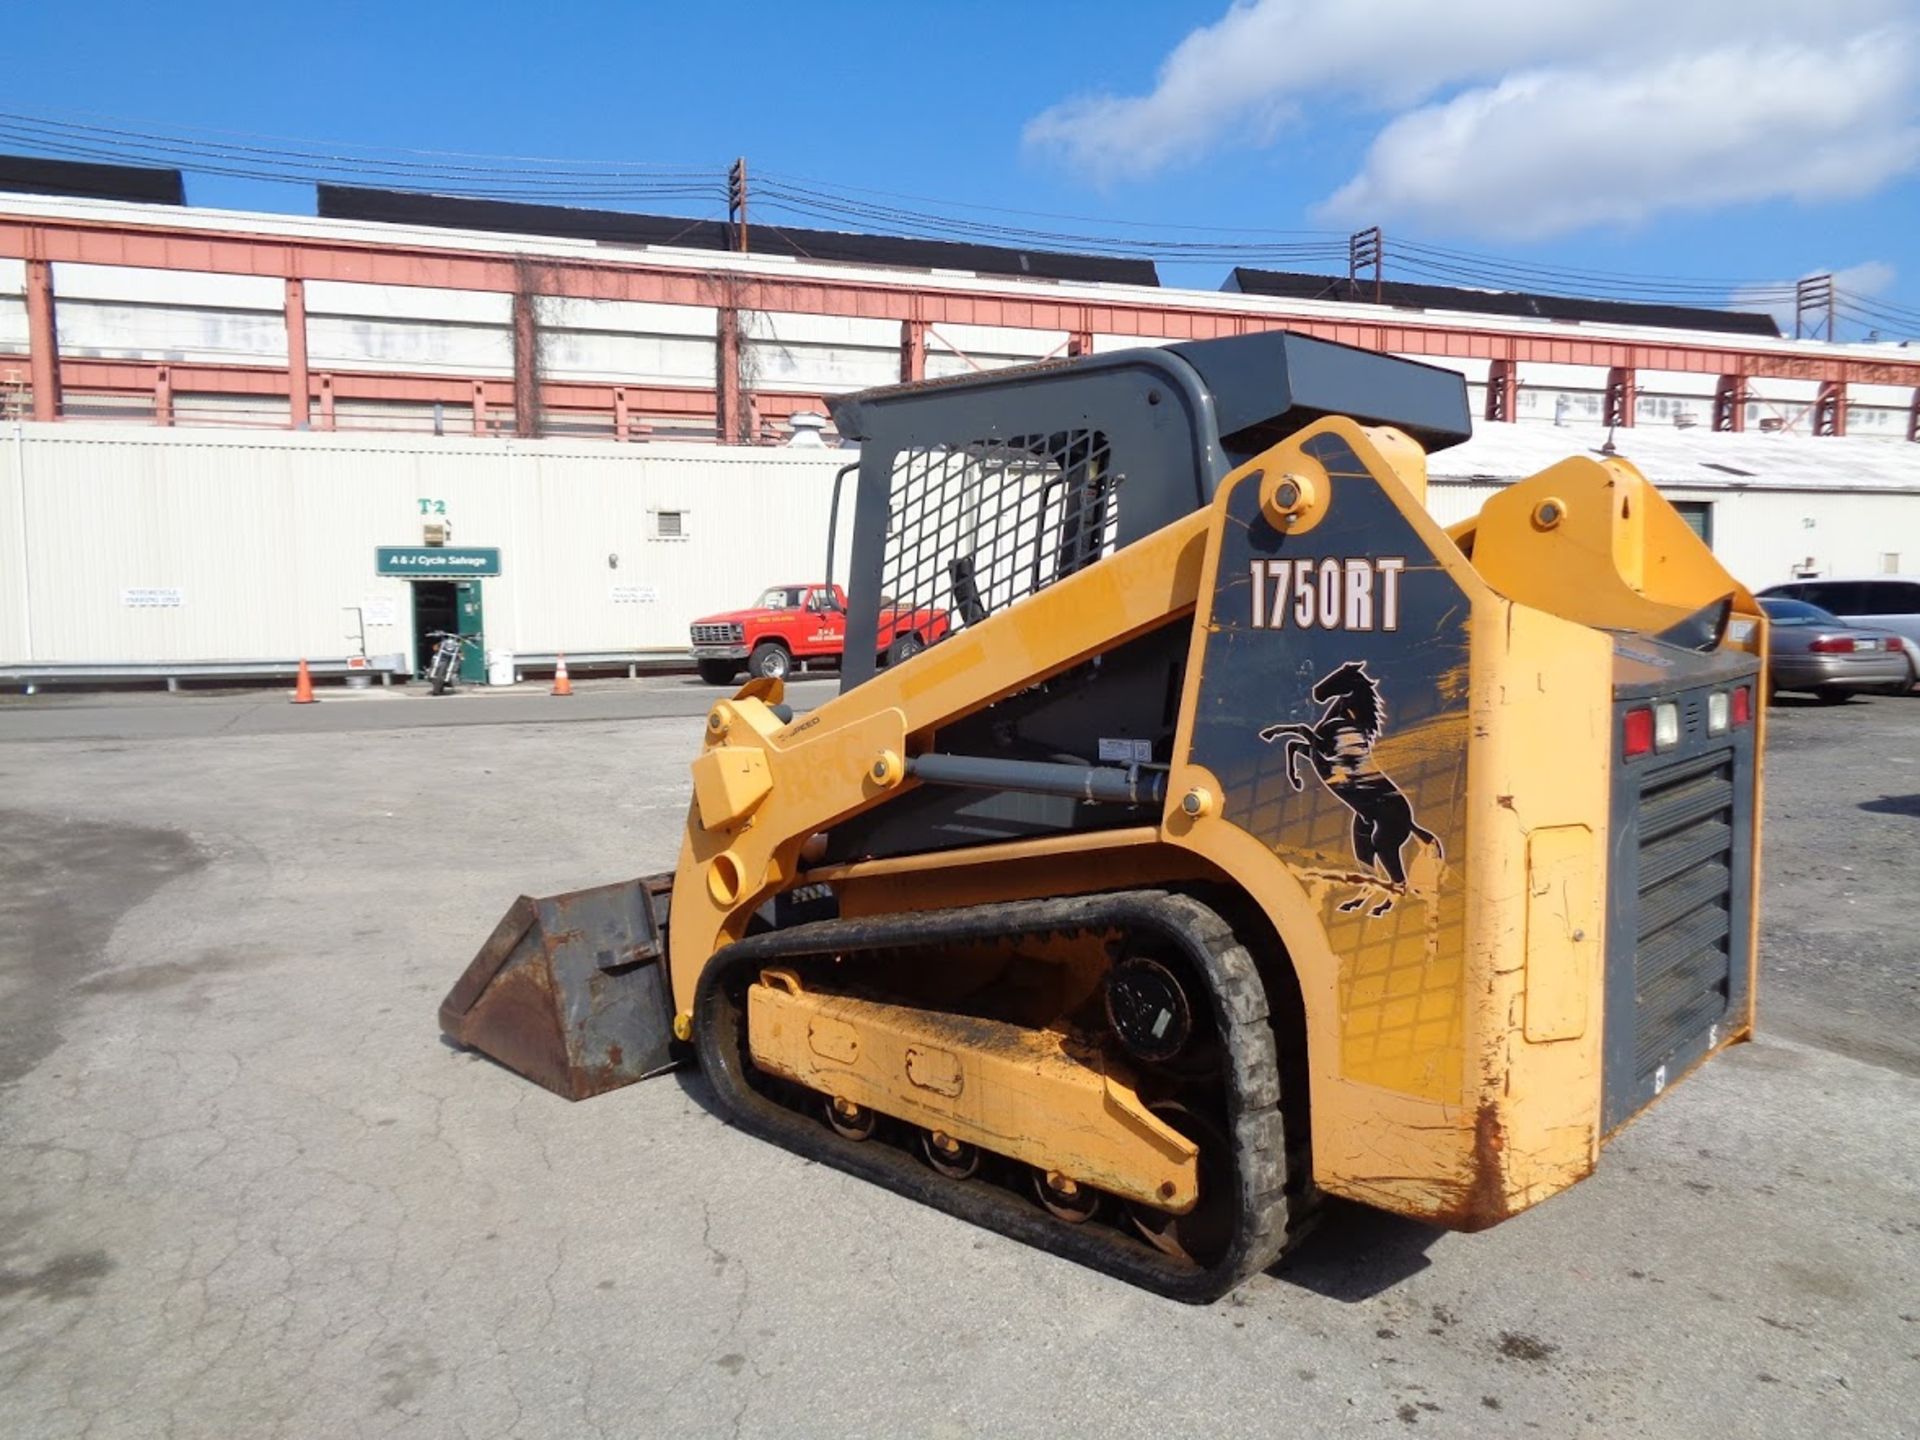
x: 246, y: 1190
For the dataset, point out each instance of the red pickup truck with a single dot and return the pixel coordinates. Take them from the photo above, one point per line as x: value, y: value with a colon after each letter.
x: 802, y: 625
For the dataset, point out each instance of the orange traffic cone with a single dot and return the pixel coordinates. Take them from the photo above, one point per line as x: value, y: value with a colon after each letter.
x: 303, y: 687
x: 561, y: 684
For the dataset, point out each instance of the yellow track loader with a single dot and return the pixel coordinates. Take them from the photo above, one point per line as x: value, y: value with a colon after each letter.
x: 1244, y: 836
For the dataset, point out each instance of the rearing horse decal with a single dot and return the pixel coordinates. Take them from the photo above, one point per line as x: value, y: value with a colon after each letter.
x: 1340, y: 746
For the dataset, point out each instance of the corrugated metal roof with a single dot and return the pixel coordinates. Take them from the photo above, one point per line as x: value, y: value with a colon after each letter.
x: 623, y: 227
x: 1402, y: 294
x: 1694, y: 459
x: 38, y: 175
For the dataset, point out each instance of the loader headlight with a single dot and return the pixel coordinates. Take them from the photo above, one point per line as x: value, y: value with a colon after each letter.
x: 1719, y: 713
x: 1666, y: 725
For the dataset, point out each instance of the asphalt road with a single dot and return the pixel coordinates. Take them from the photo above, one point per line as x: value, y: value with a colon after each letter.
x: 245, y: 1190
x: 155, y: 715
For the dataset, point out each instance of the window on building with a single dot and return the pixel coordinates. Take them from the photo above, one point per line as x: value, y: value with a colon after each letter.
x: 669, y: 524
x: 1699, y: 517
x: 1890, y: 562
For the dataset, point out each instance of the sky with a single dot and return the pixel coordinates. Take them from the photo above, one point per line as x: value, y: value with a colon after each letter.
x: 1750, y: 141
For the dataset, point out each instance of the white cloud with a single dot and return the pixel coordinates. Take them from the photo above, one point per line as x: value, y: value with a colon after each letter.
x: 1549, y: 151
x: 1532, y: 118
x: 1868, y: 278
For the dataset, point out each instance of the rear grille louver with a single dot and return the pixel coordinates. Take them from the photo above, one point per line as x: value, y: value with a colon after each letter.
x: 1682, y: 969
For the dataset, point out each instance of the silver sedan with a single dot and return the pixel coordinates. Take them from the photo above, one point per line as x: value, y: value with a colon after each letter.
x: 1815, y: 651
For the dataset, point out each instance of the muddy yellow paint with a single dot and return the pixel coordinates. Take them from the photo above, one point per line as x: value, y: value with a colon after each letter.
x: 1563, y: 931
x: 980, y: 1081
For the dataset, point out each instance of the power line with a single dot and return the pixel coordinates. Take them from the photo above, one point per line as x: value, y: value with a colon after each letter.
x: 435, y: 162
x: 1601, y: 275
x: 1885, y: 308
x: 472, y: 187
x: 552, y: 180
x: 823, y: 204
x: 803, y: 183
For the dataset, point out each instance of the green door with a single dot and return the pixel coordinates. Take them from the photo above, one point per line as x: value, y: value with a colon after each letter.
x: 473, y: 658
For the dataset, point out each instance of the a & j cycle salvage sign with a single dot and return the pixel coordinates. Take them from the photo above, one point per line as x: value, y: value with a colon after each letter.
x: 436, y: 561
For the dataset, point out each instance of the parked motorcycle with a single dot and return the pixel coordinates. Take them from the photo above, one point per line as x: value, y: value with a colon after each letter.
x: 443, y: 670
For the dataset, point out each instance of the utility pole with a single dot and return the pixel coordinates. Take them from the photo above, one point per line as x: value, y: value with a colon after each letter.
x: 737, y: 203
x: 1364, y: 248
x: 1811, y: 297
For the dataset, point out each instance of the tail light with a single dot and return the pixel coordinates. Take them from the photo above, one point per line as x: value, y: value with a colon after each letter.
x: 1666, y: 725
x: 1833, y: 645
x: 1636, y: 733
x: 1656, y: 727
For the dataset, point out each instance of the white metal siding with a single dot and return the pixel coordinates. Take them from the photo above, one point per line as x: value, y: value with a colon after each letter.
x: 271, y: 538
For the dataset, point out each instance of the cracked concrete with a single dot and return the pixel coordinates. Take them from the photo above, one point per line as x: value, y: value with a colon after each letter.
x: 245, y: 1190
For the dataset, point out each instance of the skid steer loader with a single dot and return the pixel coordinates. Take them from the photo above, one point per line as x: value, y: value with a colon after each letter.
x: 1248, y: 836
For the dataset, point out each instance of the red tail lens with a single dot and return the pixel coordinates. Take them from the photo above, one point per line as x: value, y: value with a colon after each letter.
x: 1832, y: 645
x: 1637, y: 733
x: 1743, y: 705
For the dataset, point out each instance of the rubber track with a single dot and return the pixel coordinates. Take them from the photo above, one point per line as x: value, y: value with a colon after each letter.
x: 1239, y: 1001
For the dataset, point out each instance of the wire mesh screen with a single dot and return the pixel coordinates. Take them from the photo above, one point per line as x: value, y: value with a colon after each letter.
x: 973, y: 528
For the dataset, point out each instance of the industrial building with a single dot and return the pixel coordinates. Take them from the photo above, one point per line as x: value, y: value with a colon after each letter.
x: 232, y: 439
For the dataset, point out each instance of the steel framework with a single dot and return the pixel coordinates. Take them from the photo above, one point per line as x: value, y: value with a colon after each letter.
x: 732, y: 409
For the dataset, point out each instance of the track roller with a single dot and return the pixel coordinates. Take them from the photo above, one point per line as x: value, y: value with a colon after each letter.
x: 1064, y: 1198
x: 855, y: 1122
x: 953, y: 1158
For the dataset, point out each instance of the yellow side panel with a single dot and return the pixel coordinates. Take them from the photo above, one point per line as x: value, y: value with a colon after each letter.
x: 977, y: 1080
x: 1563, y: 932
x: 728, y: 782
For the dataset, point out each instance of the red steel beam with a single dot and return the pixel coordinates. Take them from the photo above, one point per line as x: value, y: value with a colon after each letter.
x: 43, y: 341
x: 1503, y: 390
x: 105, y: 243
x: 1730, y: 404
x: 299, y: 387
x: 1623, y: 397
x: 913, y: 351
x: 730, y: 416
x: 526, y: 366
x: 1830, y: 409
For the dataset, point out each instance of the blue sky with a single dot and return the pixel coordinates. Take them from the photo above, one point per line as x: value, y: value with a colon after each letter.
x: 1712, y: 139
